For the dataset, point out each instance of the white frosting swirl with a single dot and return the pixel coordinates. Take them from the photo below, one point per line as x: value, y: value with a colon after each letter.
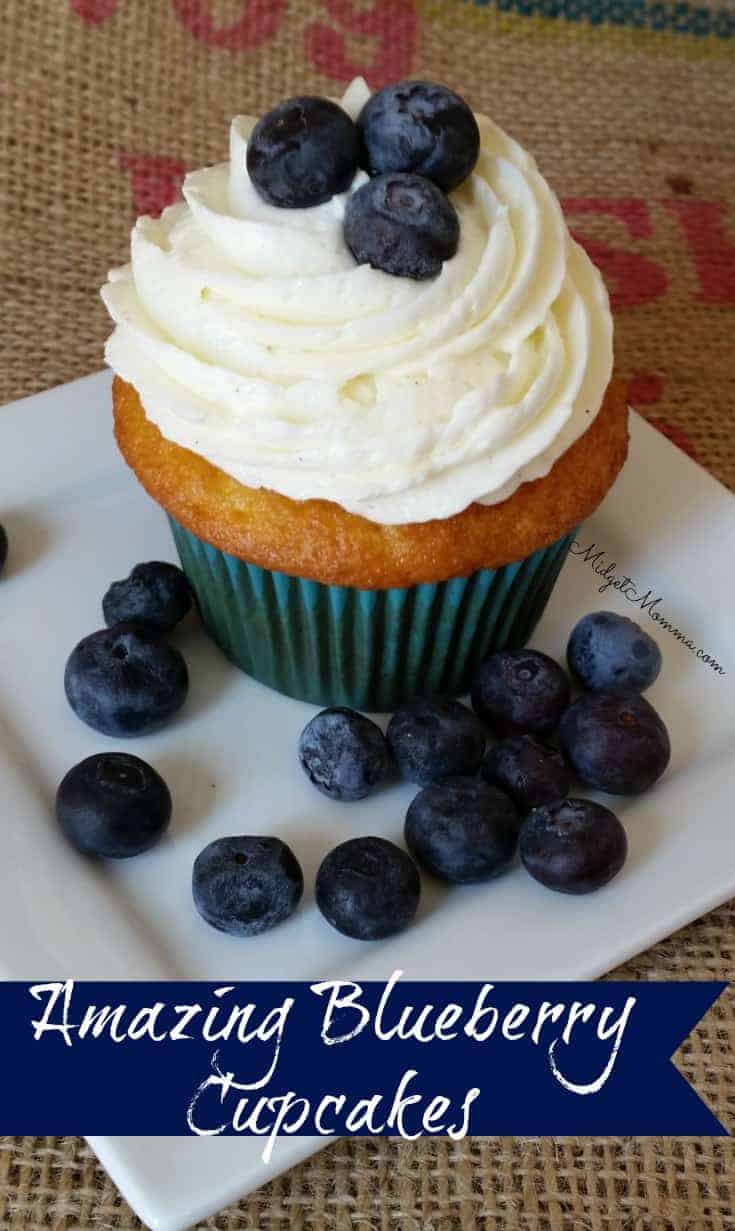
x: 255, y: 340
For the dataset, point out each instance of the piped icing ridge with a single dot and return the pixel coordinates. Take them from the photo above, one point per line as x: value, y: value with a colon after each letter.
x: 255, y: 340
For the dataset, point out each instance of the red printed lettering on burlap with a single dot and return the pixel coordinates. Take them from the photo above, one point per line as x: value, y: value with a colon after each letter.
x: 645, y: 388
x: 631, y: 211
x: 393, y: 24
x: 633, y: 279
x: 258, y: 21
x: 94, y: 12
x: 155, y: 181
x: 712, y: 251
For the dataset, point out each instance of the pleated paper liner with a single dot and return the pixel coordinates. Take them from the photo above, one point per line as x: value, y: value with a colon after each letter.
x: 370, y: 649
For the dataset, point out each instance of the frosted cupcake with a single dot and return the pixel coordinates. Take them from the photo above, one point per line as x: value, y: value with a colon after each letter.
x: 374, y: 432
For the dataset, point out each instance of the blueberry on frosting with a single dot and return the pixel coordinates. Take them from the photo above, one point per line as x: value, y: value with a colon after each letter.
x: 422, y: 127
x: 402, y: 224
x: 302, y: 152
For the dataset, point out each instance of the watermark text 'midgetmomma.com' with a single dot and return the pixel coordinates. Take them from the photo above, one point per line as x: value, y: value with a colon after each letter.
x: 645, y: 599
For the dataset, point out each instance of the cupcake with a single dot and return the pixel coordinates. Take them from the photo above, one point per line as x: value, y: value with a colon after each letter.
x: 366, y: 371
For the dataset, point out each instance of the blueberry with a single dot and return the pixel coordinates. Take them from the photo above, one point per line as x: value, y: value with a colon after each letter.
x: 246, y: 885
x: 344, y: 754
x: 156, y: 593
x: 402, y: 224
x: 419, y: 126
x: 431, y: 740
x: 573, y: 845
x: 610, y: 653
x: 113, y: 804
x: 125, y: 680
x: 530, y: 772
x: 368, y: 888
x: 302, y: 152
x: 464, y: 830
x: 3, y: 547
x: 520, y: 691
x: 615, y: 744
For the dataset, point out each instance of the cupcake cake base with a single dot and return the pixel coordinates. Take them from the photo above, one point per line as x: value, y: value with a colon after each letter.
x: 370, y: 649
x: 333, y: 609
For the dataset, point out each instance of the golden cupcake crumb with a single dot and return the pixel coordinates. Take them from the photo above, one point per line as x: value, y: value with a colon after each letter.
x: 320, y: 541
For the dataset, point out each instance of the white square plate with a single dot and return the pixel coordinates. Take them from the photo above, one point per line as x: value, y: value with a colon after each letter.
x: 76, y: 519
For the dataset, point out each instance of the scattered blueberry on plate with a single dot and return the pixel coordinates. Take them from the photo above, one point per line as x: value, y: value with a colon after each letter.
x: 432, y: 740
x: 303, y: 152
x: 368, y: 888
x: 125, y: 680
x: 617, y: 744
x: 402, y: 224
x: 246, y: 885
x: 463, y: 831
x: 3, y: 547
x: 344, y: 754
x: 520, y: 692
x: 422, y: 127
x: 113, y: 805
x: 573, y: 845
x: 611, y: 653
x: 530, y: 772
x: 155, y: 593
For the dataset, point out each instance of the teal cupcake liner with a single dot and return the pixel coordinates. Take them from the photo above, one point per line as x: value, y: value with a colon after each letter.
x: 371, y: 649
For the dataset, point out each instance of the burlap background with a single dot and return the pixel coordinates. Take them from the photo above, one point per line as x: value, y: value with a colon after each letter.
x: 629, y: 107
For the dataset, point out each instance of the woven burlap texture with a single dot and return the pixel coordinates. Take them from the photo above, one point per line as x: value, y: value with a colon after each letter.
x: 103, y: 103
